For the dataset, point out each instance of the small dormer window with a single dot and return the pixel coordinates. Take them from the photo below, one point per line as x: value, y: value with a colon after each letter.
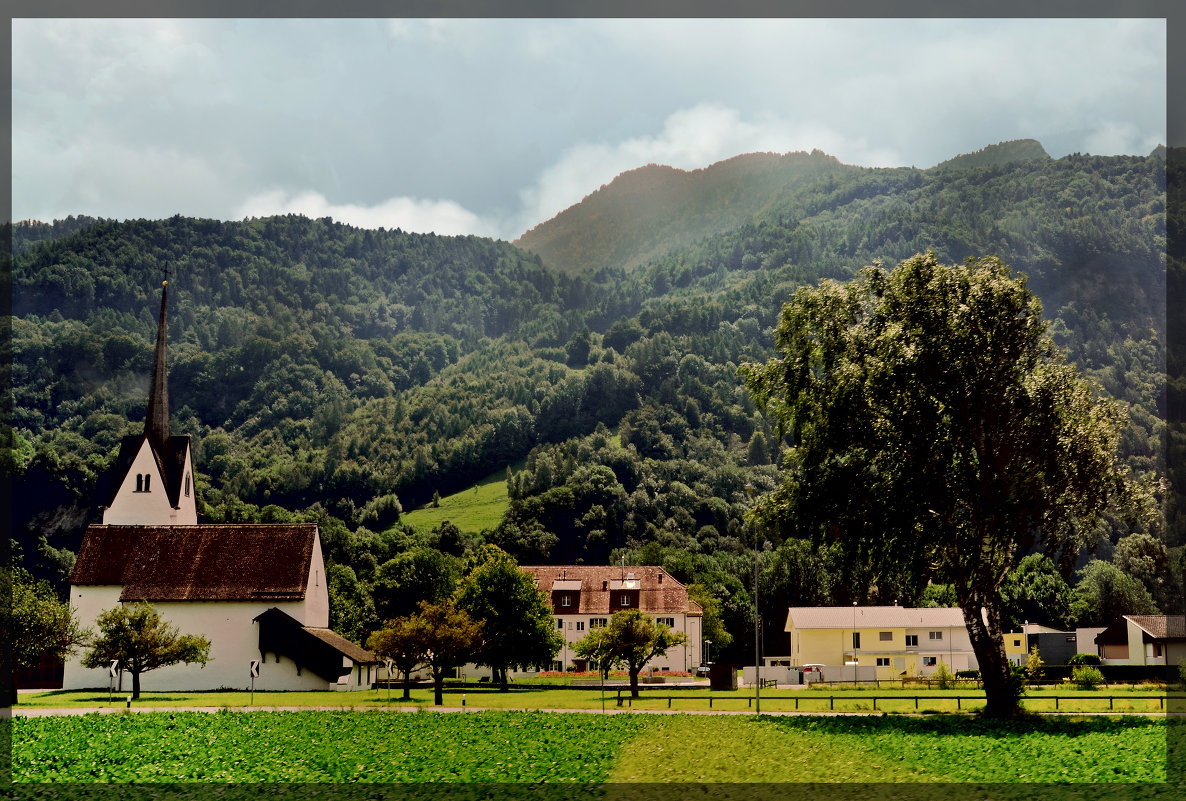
x: 625, y: 600
x: 565, y: 600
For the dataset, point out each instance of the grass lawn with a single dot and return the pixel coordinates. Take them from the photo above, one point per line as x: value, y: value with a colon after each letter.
x: 471, y: 510
x: 698, y: 748
x: 311, y: 746
x: 544, y: 696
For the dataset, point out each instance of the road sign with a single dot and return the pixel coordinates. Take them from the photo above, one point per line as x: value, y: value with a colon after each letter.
x: 255, y: 668
x: 111, y: 671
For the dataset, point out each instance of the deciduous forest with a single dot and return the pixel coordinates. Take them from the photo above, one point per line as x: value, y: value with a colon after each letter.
x: 341, y: 375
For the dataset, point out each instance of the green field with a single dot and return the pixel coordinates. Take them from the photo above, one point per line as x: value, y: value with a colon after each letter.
x: 471, y: 510
x: 529, y: 747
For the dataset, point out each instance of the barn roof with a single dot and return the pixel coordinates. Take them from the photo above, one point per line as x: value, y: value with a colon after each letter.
x: 657, y: 590
x: 198, y: 563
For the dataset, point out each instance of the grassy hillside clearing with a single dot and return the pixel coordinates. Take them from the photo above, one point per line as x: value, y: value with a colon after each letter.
x: 471, y: 510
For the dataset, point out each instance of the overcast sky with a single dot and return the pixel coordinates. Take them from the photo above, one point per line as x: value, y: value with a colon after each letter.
x: 490, y: 127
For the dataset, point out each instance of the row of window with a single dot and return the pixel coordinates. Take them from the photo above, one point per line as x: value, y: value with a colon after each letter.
x: 566, y: 600
x: 888, y: 636
x: 144, y: 483
x: 601, y: 622
x: 927, y: 661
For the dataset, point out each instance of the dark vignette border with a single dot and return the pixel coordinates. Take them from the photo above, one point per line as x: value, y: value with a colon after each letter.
x: 1171, y: 10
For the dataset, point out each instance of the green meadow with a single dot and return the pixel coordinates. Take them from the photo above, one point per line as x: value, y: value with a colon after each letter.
x: 471, y: 510
x: 548, y: 747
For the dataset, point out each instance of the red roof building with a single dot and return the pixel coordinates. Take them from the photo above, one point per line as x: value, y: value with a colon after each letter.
x: 584, y: 597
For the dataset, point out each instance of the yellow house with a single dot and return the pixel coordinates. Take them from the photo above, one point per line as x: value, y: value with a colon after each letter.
x: 895, y: 640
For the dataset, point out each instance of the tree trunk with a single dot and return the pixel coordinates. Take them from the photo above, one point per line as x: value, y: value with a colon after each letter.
x: 502, y: 678
x: 13, y: 697
x: 438, y: 687
x: 1001, y: 700
x: 407, y: 685
x: 136, y: 686
x: 634, y: 680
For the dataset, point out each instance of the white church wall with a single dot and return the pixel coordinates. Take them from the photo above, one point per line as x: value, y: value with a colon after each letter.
x: 87, y: 603
x: 234, y: 643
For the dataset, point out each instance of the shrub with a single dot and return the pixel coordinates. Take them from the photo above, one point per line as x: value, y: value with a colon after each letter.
x: 1033, y: 666
x: 968, y: 674
x: 1087, y: 677
x: 1182, y: 670
x: 1084, y: 659
x: 944, y: 676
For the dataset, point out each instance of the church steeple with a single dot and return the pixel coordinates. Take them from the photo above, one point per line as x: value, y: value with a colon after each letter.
x: 156, y: 422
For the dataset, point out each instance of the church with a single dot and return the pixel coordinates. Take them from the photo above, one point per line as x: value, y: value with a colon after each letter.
x: 256, y: 591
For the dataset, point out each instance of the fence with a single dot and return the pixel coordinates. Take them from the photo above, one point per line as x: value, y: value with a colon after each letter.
x: 831, y: 699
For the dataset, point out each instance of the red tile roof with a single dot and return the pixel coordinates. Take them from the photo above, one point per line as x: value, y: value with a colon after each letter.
x: 655, y: 594
x: 198, y: 563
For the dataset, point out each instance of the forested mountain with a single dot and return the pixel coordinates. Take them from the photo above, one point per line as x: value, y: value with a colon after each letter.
x: 341, y: 374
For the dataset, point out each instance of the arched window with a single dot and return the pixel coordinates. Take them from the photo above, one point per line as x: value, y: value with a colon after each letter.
x: 139, y: 482
x: 147, y: 478
x: 187, y: 485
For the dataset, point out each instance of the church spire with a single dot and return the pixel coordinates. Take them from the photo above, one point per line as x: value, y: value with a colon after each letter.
x: 156, y: 422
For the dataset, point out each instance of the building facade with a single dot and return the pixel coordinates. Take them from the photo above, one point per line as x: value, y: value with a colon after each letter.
x: 1143, y: 640
x: 584, y: 598
x: 896, y: 641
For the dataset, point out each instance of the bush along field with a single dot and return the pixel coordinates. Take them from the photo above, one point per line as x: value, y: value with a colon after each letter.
x: 538, y: 747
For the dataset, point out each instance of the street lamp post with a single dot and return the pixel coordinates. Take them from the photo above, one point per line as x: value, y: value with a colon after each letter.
x: 854, y: 643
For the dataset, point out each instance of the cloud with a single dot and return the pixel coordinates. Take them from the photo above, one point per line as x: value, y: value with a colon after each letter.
x: 444, y: 217
x: 690, y: 139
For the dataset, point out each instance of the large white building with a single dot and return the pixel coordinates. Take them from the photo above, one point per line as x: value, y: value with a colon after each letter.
x: 584, y: 597
x: 257, y: 592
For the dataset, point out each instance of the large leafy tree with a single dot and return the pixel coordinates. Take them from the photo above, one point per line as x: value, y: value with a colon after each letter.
x: 937, y: 428
x: 142, y: 640
x: 450, y: 638
x: 1035, y: 592
x: 41, y: 624
x: 403, y: 641
x: 1104, y: 593
x: 515, y: 614
x: 631, y: 639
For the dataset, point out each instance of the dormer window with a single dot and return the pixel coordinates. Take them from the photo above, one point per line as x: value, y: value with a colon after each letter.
x: 566, y: 600
x: 625, y: 599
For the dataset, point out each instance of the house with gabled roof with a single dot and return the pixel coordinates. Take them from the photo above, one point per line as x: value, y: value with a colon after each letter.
x: 257, y: 592
x: 584, y: 597
x: 1143, y: 640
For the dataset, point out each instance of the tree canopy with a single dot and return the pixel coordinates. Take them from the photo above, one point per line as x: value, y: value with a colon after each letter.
x: 514, y: 613
x: 631, y: 639
x: 41, y: 623
x: 936, y: 426
x: 142, y: 640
